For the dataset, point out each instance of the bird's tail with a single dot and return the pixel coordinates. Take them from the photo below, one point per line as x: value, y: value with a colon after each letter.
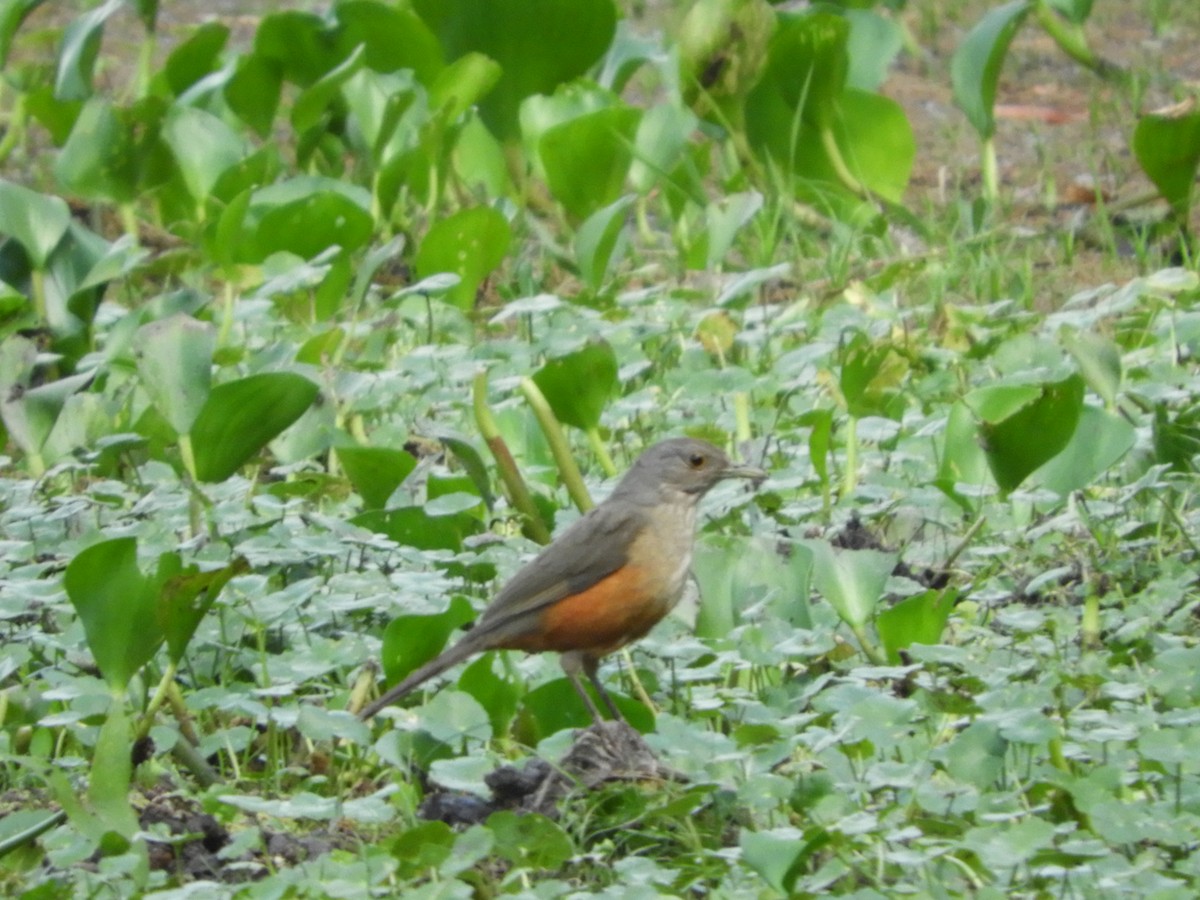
x: 454, y: 655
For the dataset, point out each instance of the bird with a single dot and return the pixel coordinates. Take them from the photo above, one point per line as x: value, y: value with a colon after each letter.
x: 609, y: 578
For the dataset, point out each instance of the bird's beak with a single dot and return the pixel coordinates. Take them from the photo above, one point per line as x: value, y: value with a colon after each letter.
x: 737, y: 470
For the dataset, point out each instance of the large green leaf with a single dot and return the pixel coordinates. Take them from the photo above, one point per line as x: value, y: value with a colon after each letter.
x: 196, y: 57
x: 976, y: 64
x: 35, y: 221
x: 174, y: 361
x: 412, y: 641
x: 1167, y: 146
x: 539, y: 44
x: 599, y: 243
x: 204, y: 148
x: 579, y: 385
x: 77, y: 55
x: 305, y: 216
x: 1023, y: 427
x: 240, y: 417
x: 12, y: 14
x: 117, y: 605
x: 471, y: 243
x: 185, y: 595
x: 587, y: 158
x: 920, y: 619
x: 1100, y: 440
x: 375, y: 472
x: 852, y: 581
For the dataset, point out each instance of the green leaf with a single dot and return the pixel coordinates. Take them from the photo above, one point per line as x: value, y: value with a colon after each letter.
x: 852, y: 581
x: 305, y: 216
x: 174, y: 362
x: 12, y: 14
x: 114, y: 154
x: 579, y: 385
x: 471, y: 243
x: 116, y: 604
x: 204, y: 148
x: 411, y: 641
x: 874, y: 43
x: 1018, y: 442
x: 30, y: 414
x: 463, y: 84
x: 1100, y: 440
x: 253, y: 92
x: 196, y: 57
x: 976, y: 64
x: 600, y: 242
x: 529, y: 840
x: 1167, y: 146
x: 1076, y: 11
x: 412, y: 526
x: 587, y: 158
x: 35, y: 221
x: 186, y: 596
x: 499, y: 696
x: 240, y: 417
x: 375, y: 472
x: 301, y: 44
x: 77, y: 55
x: 920, y: 619
x: 1099, y: 362
x: 724, y: 218
x: 311, y: 106
x: 539, y: 44
x: 392, y: 37
x: 779, y: 855
x: 805, y: 76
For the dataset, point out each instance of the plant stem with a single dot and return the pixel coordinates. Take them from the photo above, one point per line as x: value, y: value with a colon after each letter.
x: 601, y: 451
x: 514, y: 483
x: 988, y: 171
x: 1072, y: 41
x: 156, y: 702
x: 568, y: 471
x: 873, y: 653
x: 850, y: 475
x: 845, y: 176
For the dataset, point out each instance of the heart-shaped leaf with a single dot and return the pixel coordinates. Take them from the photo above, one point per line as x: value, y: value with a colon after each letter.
x: 587, y: 158
x: 174, y: 361
x: 117, y: 605
x: 599, y: 243
x: 35, y: 221
x: 375, y: 472
x: 185, y: 596
x: 240, y: 417
x: 975, y: 66
x: 919, y: 619
x: 204, y: 148
x: 411, y: 641
x: 77, y: 55
x: 1167, y: 146
x: 579, y: 385
x: 471, y: 243
x: 852, y: 581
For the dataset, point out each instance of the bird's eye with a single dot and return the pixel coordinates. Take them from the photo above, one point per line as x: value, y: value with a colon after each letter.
x: 697, y: 460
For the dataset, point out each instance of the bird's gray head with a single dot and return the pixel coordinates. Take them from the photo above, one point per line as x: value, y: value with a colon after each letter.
x: 681, y: 466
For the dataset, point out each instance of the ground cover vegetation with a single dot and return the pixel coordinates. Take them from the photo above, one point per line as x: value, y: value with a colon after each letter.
x: 315, y: 322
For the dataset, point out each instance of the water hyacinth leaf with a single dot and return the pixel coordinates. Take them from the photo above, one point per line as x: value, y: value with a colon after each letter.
x: 12, y: 14
x: 1167, y: 147
x: 976, y: 64
x: 117, y: 605
x: 240, y: 417
x: 302, y: 45
x: 393, y: 38
x: 920, y: 619
x: 35, y: 221
x: 873, y: 44
x: 555, y: 705
x: 723, y: 47
x: 876, y: 143
x: 852, y: 581
x: 197, y: 56
x: 1176, y: 437
x: 662, y: 137
x: 204, y: 148
x: 412, y: 526
x: 411, y: 641
x: 311, y: 106
x: 305, y: 216
x: 579, y: 385
x: 375, y: 472
x: 77, y: 55
x: 724, y: 218
x: 499, y: 696
x: 599, y: 243
x: 186, y: 595
x: 1077, y: 11
x: 530, y: 840
x: 804, y: 78
x: 1099, y: 363
x: 111, y: 773
x: 253, y: 92
x: 586, y: 159
x: 1025, y: 439
x: 539, y: 44
x: 1100, y: 440
x: 174, y: 362
x: 30, y: 413
x: 463, y: 84
x: 470, y: 243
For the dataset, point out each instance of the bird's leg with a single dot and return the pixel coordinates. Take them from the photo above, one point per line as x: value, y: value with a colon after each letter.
x: 573, y: 662
x: 591, y: 665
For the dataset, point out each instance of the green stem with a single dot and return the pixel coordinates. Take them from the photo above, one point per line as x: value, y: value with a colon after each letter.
x: 32, y: 833
x: 741, y: 415
x: 227, y: 312
x: 845, y: 176
x: 156, y: 702
x: 873, y: 653
x: 988, y: 170
x: 601, y: 451
x: 850, y: 475
x: 518, y: 491
x: 37, y: 286
x: 568, y: 471
x: 14, y: 129
x: 129, y: 221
